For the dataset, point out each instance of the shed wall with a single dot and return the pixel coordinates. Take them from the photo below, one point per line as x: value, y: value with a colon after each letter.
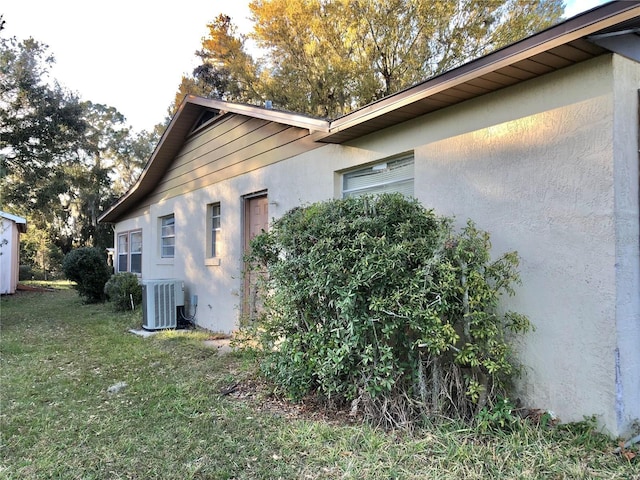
x: 9, y: 256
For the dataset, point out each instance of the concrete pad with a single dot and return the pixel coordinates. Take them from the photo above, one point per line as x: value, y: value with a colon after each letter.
x: 142, y: 333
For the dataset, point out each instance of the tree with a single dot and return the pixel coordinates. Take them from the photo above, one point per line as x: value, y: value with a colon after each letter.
x: 39, y: 124
x: 312, y: 55
x: 134, y: 151
x: 62, y: 160
x: 328, y: 57
x: 227, y: 71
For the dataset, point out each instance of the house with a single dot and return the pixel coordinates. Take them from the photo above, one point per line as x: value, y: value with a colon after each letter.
x: 537, y: 143
x: 11, y: 226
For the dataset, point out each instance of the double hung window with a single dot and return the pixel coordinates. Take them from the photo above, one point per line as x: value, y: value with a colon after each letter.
x: 130, y: 252
x: 168, y: 236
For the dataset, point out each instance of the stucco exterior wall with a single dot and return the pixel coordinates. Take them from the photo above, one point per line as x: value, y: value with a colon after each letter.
x: 218, y: 284
x: 542, y: 185
x: 626, y: 160
x: 539, y: 166
x: 534, y: 165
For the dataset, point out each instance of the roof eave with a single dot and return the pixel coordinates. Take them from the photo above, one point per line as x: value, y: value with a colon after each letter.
x: 180, y: 128
x: 575, y: 28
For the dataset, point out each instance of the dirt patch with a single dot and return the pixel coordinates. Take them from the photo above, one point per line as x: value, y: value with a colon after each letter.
x: 258, y: 395
x: 221, y: 344
x: 33, y: 288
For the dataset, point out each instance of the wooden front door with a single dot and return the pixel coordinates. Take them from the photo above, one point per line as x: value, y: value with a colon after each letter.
x: 256, y: 221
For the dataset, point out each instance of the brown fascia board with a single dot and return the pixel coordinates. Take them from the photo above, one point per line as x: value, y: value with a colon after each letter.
x: 180, y: 128
x: 580, y: 26
x: 287, y: 118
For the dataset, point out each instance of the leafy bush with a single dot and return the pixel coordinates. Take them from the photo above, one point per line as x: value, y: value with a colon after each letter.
x: 378, y: 302
x: 500, y: 417
x: 123, y: 288
x: 25, y: 272
x: 88, y: 268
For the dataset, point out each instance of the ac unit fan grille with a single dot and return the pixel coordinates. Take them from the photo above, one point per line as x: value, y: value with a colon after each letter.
x: 160, y: 304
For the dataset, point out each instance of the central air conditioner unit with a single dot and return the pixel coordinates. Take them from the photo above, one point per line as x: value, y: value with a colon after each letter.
x: 160, y: 302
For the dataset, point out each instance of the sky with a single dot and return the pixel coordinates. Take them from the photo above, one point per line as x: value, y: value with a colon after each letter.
x: 131, y: 54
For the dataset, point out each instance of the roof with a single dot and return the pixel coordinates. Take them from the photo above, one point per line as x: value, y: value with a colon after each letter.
x: 591, y: 34
x: 19, y: 221
x: 194, y: 114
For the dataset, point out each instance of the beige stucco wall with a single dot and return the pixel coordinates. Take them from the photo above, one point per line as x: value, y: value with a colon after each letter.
x: 626, y: 162
x: 543, y: 166
x: 534, y: 165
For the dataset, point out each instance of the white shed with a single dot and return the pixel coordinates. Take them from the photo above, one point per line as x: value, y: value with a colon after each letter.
x: 11, y: 226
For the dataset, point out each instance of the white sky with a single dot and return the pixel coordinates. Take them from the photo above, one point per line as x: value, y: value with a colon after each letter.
x: 131, y: 54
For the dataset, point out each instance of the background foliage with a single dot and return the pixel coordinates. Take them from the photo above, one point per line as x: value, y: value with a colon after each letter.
x: 328, y: 57
x: 379, y: 302
x: 62, y: 160
x: 87, y: 267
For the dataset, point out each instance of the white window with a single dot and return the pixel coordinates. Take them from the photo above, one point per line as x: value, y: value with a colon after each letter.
x: 123, y: 252
x: 392, y: 175
x: 130, y: 252
x: 167, y: 236
x: 213, y: 230
x: 135, y: 244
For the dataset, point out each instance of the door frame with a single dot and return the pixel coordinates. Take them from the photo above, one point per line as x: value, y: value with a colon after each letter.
x: 246, y: 215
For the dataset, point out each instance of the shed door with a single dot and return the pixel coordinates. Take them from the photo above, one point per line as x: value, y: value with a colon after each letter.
x: 256, y: 220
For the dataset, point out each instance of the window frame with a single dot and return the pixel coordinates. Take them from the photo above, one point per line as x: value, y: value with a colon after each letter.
x: 213, y: 246
x: 128, y: 253
x: 214, y: 216
x: 167, y: 240
x: 370, y: 169
x: 133, y: 252
x: 122, y: 255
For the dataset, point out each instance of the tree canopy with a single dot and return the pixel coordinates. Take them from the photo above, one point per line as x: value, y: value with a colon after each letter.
x: 62, y: 160
x: 328, y: 57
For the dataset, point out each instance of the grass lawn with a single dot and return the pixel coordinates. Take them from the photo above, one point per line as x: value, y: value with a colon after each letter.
x: 171, y: 421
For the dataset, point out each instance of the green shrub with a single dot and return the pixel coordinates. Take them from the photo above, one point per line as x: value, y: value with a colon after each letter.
x: 88, y: 268
x: 26, y: 272
x: 378, y: 302
x: 123, y: 288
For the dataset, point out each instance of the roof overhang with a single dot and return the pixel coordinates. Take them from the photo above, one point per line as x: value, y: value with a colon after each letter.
x: 194, y: 114
x: 552, y: 49
x: 20, y: 222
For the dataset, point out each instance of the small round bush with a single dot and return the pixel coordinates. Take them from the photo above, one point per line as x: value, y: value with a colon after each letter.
x: 88, y: 268
x: 121, y: 288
